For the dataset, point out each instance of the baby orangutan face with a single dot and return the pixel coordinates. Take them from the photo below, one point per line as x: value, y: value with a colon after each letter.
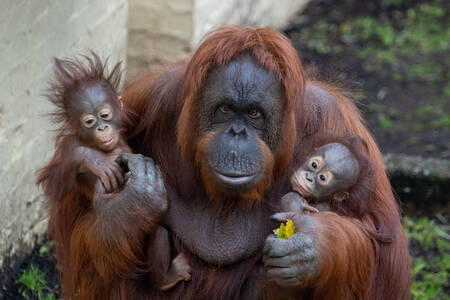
x: 330, y: 169
x: 99, y: 118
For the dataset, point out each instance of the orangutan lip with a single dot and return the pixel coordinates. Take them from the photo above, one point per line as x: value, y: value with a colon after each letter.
x: 235, y: 179
x: 108, y: 142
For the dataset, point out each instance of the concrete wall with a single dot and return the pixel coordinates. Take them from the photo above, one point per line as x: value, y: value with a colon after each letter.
x: 210, y: 14
x: 31, y: 33
x: 162, y: 31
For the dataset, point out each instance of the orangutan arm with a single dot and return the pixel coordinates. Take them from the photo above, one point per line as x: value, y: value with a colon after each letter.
x: 121, y: 222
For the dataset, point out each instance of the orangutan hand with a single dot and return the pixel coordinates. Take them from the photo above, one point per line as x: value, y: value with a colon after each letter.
x: 293, y: 261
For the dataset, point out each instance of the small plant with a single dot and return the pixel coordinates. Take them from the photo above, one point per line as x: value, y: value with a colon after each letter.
x: 430, y: 266
x: 33, y: 284
x: 385, y: 122
x: 45, y: 247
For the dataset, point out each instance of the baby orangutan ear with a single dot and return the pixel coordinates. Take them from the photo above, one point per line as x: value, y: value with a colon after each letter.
x: 121, y: 103
x: 340, y: 196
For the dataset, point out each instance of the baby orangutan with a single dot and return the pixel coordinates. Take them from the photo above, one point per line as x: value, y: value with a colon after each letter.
x: 326, y: 176
x: 90, y: 113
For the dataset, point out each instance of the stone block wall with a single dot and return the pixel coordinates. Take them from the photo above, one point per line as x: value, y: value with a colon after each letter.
x: 160, y: 31
x: 31, y: 33
x: 210, y: 14
x: 164, y: 31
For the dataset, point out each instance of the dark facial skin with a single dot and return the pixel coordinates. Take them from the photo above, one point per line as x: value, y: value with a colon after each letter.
x: 330, y: 169
x: 241, y: 104
x: 97, y: 116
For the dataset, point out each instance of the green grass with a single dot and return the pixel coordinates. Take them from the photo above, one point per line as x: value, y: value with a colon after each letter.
x: 431, y: 258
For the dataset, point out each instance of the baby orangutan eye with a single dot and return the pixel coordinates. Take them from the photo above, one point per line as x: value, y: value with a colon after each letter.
x: 325, y: 178
x: 89, y: 121
x: 105, y: 114
x: 314, y: 164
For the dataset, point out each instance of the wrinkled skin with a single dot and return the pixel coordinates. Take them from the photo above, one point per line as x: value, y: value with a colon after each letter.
x: 240, y: 105
x: 295, y: 260
x: 329, y: 169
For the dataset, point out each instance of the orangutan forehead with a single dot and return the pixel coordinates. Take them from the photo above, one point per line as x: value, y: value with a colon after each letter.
x: 91, y: 97
x: 339, y: 158
x: 243, y: 79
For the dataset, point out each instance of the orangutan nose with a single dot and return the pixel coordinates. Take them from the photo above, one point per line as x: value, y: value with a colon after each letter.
x: 102, y: 127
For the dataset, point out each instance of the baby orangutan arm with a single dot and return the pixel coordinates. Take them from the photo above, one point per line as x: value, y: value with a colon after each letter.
x: 101, y: 165
x: 294, y: 202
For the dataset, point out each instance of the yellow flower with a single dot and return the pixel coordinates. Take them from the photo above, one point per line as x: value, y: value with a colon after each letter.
x: 285, y: 231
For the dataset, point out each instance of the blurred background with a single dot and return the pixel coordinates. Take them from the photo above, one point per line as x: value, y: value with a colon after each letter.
x: 393, y: 55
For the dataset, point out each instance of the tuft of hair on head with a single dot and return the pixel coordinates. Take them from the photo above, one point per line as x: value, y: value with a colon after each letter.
x: 72, y: 74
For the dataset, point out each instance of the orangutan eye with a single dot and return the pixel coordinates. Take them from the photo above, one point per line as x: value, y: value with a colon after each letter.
x: 325, y: 178
x: 225, y: 109
x: 254, y: 113
x: 314, y: 164
x: 105, y: 114
x: 88, y: 121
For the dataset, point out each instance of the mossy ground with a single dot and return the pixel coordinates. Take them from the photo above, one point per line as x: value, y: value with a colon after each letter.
x: 395, y: 56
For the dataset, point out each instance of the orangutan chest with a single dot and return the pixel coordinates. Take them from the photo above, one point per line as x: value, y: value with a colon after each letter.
x: 219, y: 239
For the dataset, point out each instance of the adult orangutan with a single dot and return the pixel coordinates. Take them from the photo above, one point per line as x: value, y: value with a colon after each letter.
x: 223, y: 133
